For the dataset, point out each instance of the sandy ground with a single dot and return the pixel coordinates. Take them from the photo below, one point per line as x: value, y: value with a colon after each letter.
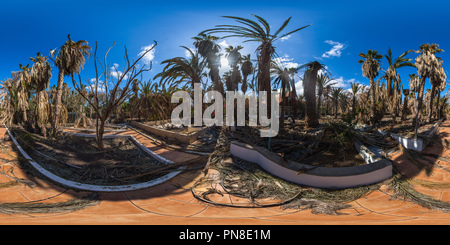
x: 172, y: 203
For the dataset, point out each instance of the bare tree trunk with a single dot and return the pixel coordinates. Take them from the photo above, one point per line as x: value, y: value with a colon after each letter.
x: 430, y: 103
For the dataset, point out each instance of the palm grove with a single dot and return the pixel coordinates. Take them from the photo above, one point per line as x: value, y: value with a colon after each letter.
x: 27, y: 99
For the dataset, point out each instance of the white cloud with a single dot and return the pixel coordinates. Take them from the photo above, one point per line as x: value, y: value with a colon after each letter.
x: 101, y: 87
x: 285, y: 38
x: 335, y: 51
x: 114, y: 71
x: 148, y: 56
x: 286, y: 61
x: 224, y: 44
x: 341, y: 82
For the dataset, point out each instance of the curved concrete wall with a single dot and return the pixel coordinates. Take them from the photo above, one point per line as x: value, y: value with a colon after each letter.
x: 88, y: 187
x: 321, y: 177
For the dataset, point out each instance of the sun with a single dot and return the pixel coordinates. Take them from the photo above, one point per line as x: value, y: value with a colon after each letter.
x: 223, y: 61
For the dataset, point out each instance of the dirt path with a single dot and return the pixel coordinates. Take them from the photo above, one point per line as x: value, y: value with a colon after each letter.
x: 173, y: 203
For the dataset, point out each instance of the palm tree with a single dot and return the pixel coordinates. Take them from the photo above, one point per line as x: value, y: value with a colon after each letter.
x: 246, y: 69
x: 336, y: 94
x: 356, y: 87
x: 283, y: 79
x: 41, y: 72
x: 209, y: 50
x: 180, y: 70
x: 260, y: 32
x: 440, y: 89
x: 309, y: 83
x: 22, y: 79
x: 394, y: 83
x: 323, y: 80
x: 234, y: 59
x: 70, y: 59
x: 427, y: 65
x: 437, y: 83
x: 370, y: 68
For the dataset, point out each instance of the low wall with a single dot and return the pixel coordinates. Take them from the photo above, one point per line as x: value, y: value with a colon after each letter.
x: 185, y: 138
x: 412, y: 143
x: 321, y: 177
x: 100, y: 188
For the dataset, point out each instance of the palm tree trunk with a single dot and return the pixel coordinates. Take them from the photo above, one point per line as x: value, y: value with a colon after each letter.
x: 319, y: 102
x: 264, y: 76
x: 354, y: 105
x: 57, y: 104
x: 311, y: 120
x: 420, y: 99
x: 372, y: 100
x: 438, y: 105
x: 430, y: 105
x: 405, y: 108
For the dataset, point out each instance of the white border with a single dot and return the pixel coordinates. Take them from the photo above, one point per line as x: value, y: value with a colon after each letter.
x: 321, y: 177
x: 99, y: 188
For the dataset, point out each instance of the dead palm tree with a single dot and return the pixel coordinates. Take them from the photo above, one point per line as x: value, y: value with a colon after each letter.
x: 21, y: 85
x: 437, y: 82
x: 41, y: 72
x: 70, y: 59
x: 260, y: 32
x: 427, y: 65
x: 370, y: 68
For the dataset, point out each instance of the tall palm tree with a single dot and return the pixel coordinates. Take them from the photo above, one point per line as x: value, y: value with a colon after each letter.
x: 246, y: 69
x: 370, y: 68
x: 23, y: 83
x: 427, y: 65
x: 439, y: 90
x: 234, y: 59
x: 209, y: 49
x: 394, y: 83
x: 41, y: 72
x: 180, y: 70
x: 70, y: 59
x: 437, y: 82
x: 323, y: 80
x: 260, y: 32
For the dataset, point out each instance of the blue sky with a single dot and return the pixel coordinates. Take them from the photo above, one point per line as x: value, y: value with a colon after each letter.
x: 340, y: 30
